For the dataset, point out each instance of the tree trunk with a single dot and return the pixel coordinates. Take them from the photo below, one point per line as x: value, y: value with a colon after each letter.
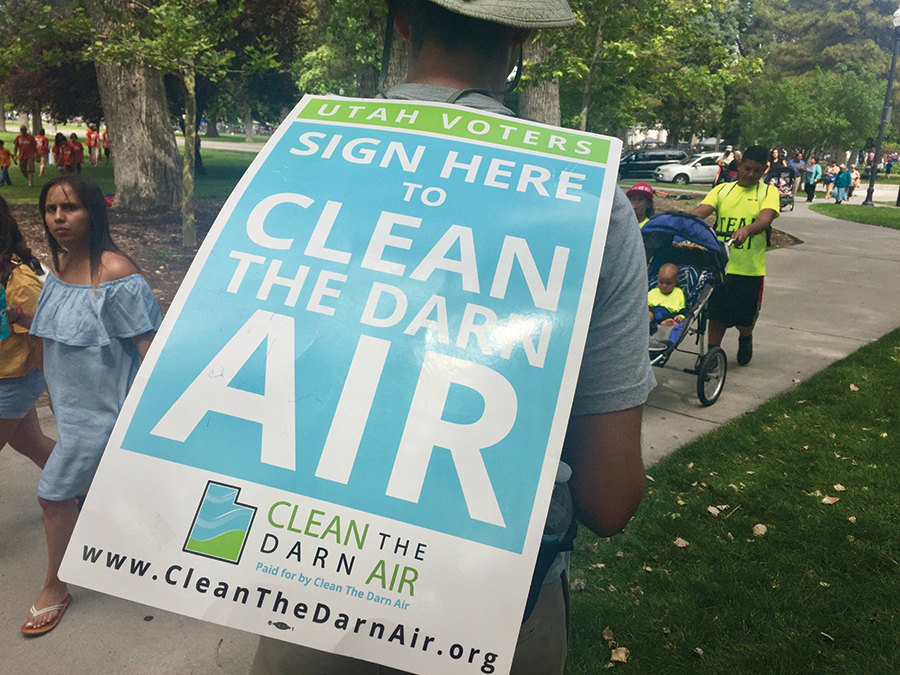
x: 2, y: 114
x: 589, y: 79
x: 540, y: 101
x: 145, y: 157
x: 212, y: 128
x: 248, y: 124
x: 399, y: 62
x: 36, y: 121
x: 188, y: 234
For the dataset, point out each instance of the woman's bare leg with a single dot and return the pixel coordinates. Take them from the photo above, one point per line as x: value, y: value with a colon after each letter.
x: 59, y: 523
x: 26, y: 436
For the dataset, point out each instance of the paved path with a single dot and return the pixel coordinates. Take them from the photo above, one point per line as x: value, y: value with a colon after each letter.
x: 824, y: 299
x: 237, y: 146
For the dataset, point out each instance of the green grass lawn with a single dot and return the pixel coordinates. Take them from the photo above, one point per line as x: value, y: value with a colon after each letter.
x: 818, y: 593
x: 223, y: 170
x: 870, y: 215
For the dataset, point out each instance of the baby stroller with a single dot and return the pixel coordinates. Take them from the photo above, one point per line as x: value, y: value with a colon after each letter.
x: 688, y: 242
x: 784, y: 183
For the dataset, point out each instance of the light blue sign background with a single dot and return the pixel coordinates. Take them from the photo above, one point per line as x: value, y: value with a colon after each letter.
x: 325, y: 344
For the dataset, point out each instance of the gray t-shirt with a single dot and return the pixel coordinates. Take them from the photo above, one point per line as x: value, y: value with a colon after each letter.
x: 615, y: 370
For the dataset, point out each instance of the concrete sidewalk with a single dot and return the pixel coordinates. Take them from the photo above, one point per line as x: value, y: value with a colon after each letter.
x: 824, y: 299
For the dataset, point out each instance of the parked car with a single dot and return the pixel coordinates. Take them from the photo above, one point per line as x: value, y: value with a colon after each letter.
x: 697, y: 169
x: 641, y: 164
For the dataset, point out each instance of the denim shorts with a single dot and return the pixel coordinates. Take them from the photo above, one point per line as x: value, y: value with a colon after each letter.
x: 18, y: 394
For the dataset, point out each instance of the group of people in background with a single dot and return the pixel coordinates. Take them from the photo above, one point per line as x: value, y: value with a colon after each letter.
x: 34, y: 152
x: 839, y: 180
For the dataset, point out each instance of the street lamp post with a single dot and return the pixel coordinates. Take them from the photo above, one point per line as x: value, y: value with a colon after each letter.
x: 885, y: 114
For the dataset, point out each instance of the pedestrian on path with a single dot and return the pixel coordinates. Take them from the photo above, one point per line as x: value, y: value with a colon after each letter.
x: 744, y: 211
x: 96, y: 316
x: 43, y: 150
x: 812, y: 176
x: 21, y: 381
x: 831, y: 172
x: 77, y: 152
x: 456, y: 53
x: 25, y: 152
x: 854, y: 180
x: 5, y: 162
x: 842, y: 184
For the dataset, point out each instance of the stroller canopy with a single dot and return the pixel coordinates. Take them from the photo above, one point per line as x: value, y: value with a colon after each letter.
x: 683, y: 239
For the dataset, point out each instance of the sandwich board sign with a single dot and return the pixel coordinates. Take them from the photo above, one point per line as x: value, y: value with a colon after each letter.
x: 347, y: 429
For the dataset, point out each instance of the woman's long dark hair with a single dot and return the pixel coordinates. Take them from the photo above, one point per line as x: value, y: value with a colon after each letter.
x: 92, y: 197
x: 12, y: 243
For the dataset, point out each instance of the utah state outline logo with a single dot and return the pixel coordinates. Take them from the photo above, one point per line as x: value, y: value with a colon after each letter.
x: 221, y: 524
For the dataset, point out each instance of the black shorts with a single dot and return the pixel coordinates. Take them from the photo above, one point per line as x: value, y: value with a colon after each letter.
x: 737, y: 303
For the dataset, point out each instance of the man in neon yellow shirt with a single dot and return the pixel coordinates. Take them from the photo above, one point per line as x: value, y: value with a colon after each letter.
x: 744, y: 211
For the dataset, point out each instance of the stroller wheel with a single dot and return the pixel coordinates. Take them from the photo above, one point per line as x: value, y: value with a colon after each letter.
x: 711, y: 375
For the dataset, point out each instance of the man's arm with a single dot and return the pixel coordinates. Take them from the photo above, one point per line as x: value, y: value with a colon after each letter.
x: 703, y: 211
x: 607, y: 481
x: 761, y: 224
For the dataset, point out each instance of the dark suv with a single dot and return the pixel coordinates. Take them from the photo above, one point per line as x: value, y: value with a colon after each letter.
x: 641, y: 164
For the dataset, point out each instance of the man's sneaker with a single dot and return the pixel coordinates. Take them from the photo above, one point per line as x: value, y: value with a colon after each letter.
x: 745, y: 350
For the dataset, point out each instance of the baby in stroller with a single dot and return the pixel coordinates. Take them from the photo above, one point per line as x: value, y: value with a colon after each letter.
x: 667, y: 307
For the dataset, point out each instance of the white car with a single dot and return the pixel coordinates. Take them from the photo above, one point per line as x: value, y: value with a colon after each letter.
x: 696, y: 169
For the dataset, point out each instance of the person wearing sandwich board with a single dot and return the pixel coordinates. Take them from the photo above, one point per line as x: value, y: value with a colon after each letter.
x: 462, y: 51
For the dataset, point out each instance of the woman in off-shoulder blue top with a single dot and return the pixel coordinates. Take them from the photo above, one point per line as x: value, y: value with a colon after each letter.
x: 89, y: 364
x: 96, y: 316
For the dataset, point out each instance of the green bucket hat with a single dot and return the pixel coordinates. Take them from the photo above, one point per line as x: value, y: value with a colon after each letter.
x: 516, y: 13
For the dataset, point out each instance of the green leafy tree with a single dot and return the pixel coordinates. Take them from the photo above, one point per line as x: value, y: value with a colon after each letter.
x: 823, y: 81
x: 344, y: 47
x: 818, y: 112
x: 182, y: 36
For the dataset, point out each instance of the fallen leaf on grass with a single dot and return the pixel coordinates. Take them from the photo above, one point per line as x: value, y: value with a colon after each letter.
x: 713, y: 511
x: 609, y: 636
x: 612, y: 589
x: 691, y: 465
x: 698, y: 651
x: 852, y: 519
x: 830, y: 500
x: 832, y: 435
x: 759, y: 530
x: 648, y: 569
x: 840, y: 488
x: 884, y: 435
x: 620, y: 554
x: 723, y: 507
x: 578, y: 584
x: 853, y: 387
x: 599, y: 565
x: 681, y: 543
x: 730, y: 536
x: 619, y: 655
x: 650, y: 478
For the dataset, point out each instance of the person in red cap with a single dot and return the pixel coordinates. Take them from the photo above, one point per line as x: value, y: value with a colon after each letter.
x: 641, y: 198
x: 462, y: 52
